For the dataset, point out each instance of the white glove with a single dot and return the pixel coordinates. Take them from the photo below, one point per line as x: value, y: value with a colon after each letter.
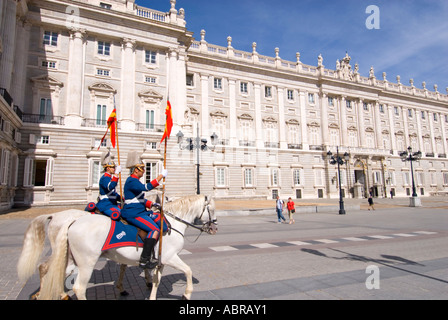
x: 164, y: 173
x: 118, y: 169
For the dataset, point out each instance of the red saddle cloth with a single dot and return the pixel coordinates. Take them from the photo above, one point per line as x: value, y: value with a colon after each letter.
x: 122, y: 235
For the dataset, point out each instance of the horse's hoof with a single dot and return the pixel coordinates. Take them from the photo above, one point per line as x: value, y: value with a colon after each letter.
x: 149, y: 285
x: 66, y: 298
x: 184, y: 298
x: 124, y: 293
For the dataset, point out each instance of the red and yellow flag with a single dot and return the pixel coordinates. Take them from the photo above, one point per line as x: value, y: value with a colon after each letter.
x: 169, y: 121
x: 111, y: 124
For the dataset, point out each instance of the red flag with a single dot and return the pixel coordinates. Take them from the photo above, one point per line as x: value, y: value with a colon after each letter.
x: 111, y: 124
x: 169, y: 121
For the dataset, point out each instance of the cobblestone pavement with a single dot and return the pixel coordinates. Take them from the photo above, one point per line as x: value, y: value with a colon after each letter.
x: 13, y: 224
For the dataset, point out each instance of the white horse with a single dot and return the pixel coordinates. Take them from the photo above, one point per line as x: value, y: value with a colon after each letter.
x: 34, y: 239
x: 33, y: 245
x: 80, y: 243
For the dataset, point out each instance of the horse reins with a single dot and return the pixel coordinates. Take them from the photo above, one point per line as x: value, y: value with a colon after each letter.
x: 202, y: 229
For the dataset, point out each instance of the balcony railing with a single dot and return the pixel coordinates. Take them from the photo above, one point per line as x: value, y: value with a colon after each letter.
x: 272, y: 145
x: 246, y: 143
x: 150, y: 127
x: 5, y: 94
x: 38, y: 118
x: 295, y: 146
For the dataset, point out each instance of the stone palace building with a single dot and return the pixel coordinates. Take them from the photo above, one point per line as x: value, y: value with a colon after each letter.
x: 65, y: 65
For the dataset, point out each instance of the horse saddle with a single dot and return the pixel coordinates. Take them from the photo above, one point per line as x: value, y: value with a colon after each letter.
x: 121, y: 233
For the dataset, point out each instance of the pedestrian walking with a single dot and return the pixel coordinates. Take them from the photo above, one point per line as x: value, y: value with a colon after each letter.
x: 279, y: 208
x: 291, y: 210
x: 370, y: 200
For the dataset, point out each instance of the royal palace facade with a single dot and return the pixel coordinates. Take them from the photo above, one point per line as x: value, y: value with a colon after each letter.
x: 65, y: 65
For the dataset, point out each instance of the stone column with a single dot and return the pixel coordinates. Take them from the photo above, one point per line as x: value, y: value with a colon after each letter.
x: 343, y: 120
x: 181, y: 85
x: 281, y: 118
x: 418, y: 115
x: 75, y: 77
x: 431, y: 132
x: 392, y: 129
x: 8, y: 35
x: 378, y: 129
x: 205, y: 113
x: 303, y: 121
x: 361, y: 125
x: 258, y: 121
x: 324, y: 118
x: 127, y: 101
x: 20, y: 65
x: 444, y: 143
x: 232, y: 113
x: 407, y: 141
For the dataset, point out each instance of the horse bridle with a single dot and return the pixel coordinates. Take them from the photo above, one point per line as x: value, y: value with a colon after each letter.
x: 206, y: 226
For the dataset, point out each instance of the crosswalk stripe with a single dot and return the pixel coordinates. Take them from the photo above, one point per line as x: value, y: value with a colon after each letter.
x: 265, y: 245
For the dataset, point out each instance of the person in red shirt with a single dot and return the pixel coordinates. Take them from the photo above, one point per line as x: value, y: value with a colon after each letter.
x: 291, y: 210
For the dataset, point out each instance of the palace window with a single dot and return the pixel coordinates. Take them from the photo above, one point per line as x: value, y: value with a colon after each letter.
x: 151, y: 171
x: 243, y: 87
x: 349, y: 104
x: 220, y: 177
x: 268, y: 92
x: 311, y: 98
x: 249, y: 177
x: 150, y: 119
x: 150, y: 57
x: 95, y: 173
x: 50, y: 38
x: 45, y: 110
x: 296, y: 175
x: 38, y: 172
x: 103, y: 48
x: 217, y: 83
x: 274, y: 177
x: 290, y: 94
x: 103, y: 72
x: 101, y: 115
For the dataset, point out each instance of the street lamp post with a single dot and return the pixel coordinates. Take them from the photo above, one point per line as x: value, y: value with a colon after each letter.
x: 198, y: 144
x: 333, y: 160
x: 410, y: 156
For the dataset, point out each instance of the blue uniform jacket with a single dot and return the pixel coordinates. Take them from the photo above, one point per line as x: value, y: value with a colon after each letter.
x: 108, y: 196
x: 134, y: 193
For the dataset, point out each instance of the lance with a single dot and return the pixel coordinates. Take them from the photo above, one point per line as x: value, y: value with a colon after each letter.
x: 166, y: 135
x: 118, y: 154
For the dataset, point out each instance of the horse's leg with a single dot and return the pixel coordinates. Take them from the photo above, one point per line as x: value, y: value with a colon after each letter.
x: 178, y: 264
x: 84, y: 274
x: 148, y: 278
x: 119, y: 283
x: 156, y: 282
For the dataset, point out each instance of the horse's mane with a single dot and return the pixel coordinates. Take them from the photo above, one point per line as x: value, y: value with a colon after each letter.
x: 185, y: 206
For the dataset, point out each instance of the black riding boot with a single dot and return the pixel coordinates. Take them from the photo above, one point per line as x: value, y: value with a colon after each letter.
x: 147, y: 260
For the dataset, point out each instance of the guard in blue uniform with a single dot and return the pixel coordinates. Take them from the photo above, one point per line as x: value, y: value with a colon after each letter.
x: 135, y: 210
x: 109, y: 199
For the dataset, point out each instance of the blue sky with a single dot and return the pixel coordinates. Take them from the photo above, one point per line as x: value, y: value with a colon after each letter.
x: 412, y: 40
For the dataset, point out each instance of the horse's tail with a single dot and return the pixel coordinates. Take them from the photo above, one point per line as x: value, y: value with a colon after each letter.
x: 53, y: 285
x: 33, y: 245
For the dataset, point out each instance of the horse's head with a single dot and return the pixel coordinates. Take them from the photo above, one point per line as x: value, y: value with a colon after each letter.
x: 210, y: 226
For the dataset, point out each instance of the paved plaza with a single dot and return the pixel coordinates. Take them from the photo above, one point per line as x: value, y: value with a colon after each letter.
x: 399, y: 240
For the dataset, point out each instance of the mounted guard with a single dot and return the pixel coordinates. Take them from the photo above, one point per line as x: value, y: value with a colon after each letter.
x: 135, y: 210
x: 109, y: 199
